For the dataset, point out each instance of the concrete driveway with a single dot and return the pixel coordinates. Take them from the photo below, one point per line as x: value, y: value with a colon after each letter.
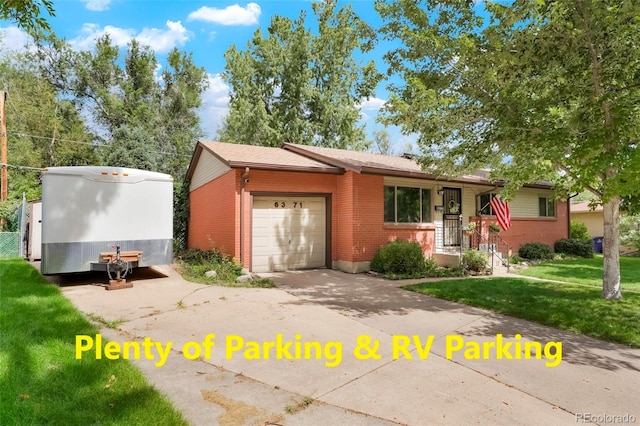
x: 352, y: 349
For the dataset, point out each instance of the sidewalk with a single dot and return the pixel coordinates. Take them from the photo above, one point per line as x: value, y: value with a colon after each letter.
x: 331, y: 307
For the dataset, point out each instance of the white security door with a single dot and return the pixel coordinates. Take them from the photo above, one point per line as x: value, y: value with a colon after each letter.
x: 288, y: 233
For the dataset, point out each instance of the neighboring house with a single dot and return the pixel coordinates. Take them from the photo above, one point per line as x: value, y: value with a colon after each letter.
x: 302, y: 206
x: 594, y: 220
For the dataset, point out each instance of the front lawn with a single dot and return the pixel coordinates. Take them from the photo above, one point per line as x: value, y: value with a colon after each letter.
x: 43, y: 383
x: 586, y: 271
x: 575, y: 308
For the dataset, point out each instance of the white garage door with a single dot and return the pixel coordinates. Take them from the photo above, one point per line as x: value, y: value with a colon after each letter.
x: 288, y: 233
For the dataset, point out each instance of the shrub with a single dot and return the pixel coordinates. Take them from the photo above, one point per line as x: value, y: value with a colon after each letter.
x: 475, y: 260
x: 515, y: 260
x: 579, y: 231
x: 573, y: 246
x: 195, y: 263
x: 399, y: 257
x: 535, y: 251
x: 200, y: 256
x: 630, y: 231
x: 431, y: 268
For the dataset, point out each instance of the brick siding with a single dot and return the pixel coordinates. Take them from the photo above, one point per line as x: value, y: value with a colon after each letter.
x: 545, y: 230
x: 357, y: 216
x: 213, y: 213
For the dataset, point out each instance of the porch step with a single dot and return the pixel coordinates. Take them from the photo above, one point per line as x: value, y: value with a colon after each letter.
x: 500, y: 270
x: 450, y: 259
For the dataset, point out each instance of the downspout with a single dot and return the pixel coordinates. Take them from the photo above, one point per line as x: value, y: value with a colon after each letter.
x: 569, y: 213
x: 244, y: 179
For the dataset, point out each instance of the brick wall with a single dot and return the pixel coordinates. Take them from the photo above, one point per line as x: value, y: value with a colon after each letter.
x: 343, y: 206
x: 363, y: 213
x: 214, y: 210
x: 538, y: 229
x: 357, y: 222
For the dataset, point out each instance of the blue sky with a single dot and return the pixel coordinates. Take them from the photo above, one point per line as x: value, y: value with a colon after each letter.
x: 205, y: 28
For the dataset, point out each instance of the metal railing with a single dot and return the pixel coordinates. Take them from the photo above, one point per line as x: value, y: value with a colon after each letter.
x: 491, y: 243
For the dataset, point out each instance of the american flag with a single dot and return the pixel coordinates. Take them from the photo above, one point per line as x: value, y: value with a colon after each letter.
x: 501, y: 210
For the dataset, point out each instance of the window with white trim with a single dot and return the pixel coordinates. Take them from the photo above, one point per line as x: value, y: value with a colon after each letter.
x: 403, y: 204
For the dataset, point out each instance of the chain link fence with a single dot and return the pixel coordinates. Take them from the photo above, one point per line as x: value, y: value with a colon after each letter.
x: 9, y: 244
x: 12, y: 244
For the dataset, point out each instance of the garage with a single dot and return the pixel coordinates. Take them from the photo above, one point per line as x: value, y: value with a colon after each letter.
x: 288, y: 233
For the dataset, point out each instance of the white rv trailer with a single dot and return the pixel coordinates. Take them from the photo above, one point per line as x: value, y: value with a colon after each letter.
x: 89, y: 210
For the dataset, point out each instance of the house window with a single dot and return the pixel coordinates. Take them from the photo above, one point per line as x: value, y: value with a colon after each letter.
x: 485, y: 204
x: 404, y: 204
x: 547, y: 206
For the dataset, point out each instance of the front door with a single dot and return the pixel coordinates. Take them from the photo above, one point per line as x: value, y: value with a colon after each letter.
x: 452, y: 203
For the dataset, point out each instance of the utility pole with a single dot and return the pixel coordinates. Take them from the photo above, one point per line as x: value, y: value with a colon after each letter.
x: 3, y: 146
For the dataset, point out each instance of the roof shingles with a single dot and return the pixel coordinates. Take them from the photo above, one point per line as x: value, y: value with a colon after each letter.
x: 358, y: 160
x: 296, y: 157
x: 237, y: 155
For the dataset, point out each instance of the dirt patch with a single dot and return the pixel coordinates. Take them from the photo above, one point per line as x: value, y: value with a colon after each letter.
x: 238, y: 412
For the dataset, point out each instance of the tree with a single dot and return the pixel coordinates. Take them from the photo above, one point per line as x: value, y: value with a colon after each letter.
x: 294, y: 86
x: 26, y: 13
x: 146, y: 120
x: 130, y: 148
x: 532, y: 88
x: 381, y: 142
x: 43, y: 130
x: 141, y: 119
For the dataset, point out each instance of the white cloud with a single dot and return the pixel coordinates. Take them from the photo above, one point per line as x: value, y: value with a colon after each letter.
x: 160, y: 40
x: 215, y: 105
x: 97, y: 5
x: 165, y: 40
x: 90, y: 32
x: 13, y: 39
x: 371, y: 104
x: 230, y: 15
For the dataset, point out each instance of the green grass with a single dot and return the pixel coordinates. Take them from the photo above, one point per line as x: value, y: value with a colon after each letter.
x: 574, y: 308
x: 586, y: 272
x: 43, y: 383
x: 101, y: 320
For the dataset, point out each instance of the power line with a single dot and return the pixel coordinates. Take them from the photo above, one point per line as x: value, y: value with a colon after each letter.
x: 27, y: 135
x: 21, y: 167
x: 13, y: 132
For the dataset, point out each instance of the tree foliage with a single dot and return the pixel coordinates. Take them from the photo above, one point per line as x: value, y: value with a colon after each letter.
x: 106, y: 106
x: 381, y: 142
x: 27, y: 14
x: 43, y: 130
x: 291, y: 85
x: 143, y: 119
x: 527, y: 88
x: 630, y: 231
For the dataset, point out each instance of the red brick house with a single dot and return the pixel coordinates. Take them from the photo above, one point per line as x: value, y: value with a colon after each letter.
x: 301, y: 206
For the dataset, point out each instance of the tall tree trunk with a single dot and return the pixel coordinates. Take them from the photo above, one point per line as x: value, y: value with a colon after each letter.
x: 611, y: 250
